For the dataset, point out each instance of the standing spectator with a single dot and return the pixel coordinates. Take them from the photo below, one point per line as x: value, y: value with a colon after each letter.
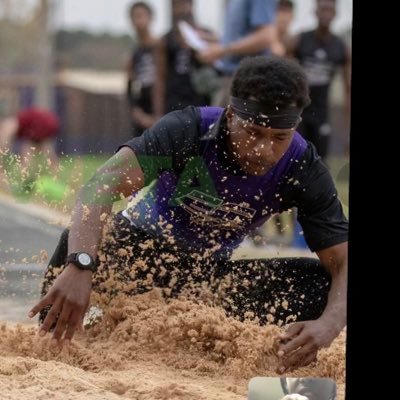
x: 36, y: 129
x: 141, y: 69
x: 321, y: 53
x: 249, y: 30
x: 176, y: 64
x: 284, y: 18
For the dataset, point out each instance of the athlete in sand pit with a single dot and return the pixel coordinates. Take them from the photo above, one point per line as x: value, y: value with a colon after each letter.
x: 212, y: 175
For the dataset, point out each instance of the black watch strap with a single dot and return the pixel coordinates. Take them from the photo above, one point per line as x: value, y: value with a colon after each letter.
x: 82, y: 260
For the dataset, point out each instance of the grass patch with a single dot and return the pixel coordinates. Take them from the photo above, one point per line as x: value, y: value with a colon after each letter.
x: 59, y: 192
x: 38, y: 184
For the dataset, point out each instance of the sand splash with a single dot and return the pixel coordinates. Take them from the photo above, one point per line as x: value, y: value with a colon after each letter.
x: 149, y: 348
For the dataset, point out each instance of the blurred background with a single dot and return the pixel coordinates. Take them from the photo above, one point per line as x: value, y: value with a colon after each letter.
x: 70, y: 55
x: 76, y: 59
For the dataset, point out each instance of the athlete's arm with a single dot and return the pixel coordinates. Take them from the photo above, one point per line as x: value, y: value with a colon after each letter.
x: 303, y: 339
x: 70, y: 293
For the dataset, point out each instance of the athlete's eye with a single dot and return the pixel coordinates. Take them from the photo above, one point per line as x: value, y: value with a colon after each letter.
x: 280, y: 138
x: 251, y: 131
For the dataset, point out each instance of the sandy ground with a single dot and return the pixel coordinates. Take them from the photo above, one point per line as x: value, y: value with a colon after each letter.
x: 146, y: 348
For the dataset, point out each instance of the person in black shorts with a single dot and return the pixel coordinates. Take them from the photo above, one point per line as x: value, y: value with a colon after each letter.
x: 211, y: 175
x: 177, y: 64
x: 322, y: 53
x: 141, y: 69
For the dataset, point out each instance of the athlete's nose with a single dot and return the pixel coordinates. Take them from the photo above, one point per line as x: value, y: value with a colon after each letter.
x: 264, y: 149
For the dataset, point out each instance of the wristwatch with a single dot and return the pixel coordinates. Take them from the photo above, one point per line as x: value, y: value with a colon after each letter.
x: 82, y: 260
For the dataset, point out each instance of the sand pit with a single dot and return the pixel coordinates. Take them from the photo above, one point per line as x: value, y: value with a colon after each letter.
x: 147, y: 348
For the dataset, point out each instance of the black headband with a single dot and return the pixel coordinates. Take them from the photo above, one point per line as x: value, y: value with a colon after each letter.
x: 271, y: 117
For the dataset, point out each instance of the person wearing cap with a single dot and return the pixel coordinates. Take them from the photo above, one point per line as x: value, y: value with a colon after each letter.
x: 36, y: 129
x: 211, y: 175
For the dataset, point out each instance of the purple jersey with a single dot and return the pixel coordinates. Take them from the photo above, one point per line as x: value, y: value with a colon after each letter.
x: 204, y: 205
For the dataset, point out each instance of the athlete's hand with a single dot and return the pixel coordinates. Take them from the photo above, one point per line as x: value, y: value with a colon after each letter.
x: 69, y: 298
x: 301, y: 342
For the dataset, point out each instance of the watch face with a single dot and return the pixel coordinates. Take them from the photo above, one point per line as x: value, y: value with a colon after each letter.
x: 84, y: 259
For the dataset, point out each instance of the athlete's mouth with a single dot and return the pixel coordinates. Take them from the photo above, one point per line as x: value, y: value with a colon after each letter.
x: 258, y: 163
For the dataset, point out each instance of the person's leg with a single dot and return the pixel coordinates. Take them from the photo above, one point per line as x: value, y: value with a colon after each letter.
x: 136, y: 262
x: 279, y: 290
x: 47, y: 148
x: 29, y: 169
x: 8, y: 132
x: 318, y: 133
x: 324, y: 135
x: 28, y: 151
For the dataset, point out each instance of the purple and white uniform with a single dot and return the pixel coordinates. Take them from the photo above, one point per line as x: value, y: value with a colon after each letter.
x: 207, y: 200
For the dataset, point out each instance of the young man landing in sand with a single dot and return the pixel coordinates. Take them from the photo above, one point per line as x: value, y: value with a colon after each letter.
x: 211, y: 175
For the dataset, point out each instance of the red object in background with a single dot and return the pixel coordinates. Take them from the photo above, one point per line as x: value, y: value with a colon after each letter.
x: 37, y: 124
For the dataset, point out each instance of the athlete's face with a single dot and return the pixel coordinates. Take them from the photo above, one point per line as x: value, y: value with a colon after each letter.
x: 256, y: 148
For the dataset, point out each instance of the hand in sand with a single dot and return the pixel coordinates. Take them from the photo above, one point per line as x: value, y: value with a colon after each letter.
x: 69, y: 298
x: 301, y: 342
